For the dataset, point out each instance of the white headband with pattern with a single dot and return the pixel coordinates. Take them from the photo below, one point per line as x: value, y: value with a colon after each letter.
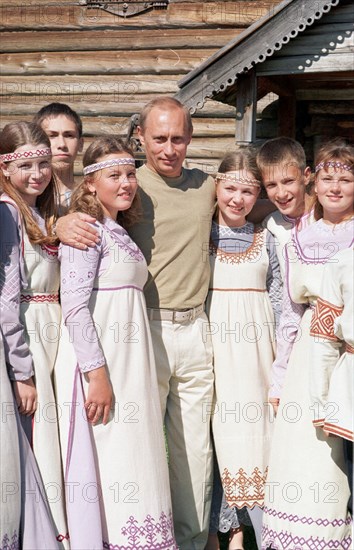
x: 106, y: 164
x: 34, y: 153
x: 334, y: 164
x: 236, y: 179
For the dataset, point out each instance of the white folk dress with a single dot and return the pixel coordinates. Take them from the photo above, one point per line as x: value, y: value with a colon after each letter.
x: 32, y: 309
x: 125, y: 460
x: 307, y: 488
x: 242, y: 328
x: 332, y: 369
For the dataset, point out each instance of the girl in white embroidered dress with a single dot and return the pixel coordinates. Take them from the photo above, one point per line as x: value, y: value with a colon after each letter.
x: 332, y: 368
x: 244, y: 290
x: 106, y: 366
x: 30, y: 311
x: 314, y: 463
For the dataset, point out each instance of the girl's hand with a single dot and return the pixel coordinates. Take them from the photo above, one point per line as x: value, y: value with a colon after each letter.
x: 26, y: 396
x: 74, y: 229
x: 274, y: 401
x: 100, y: 395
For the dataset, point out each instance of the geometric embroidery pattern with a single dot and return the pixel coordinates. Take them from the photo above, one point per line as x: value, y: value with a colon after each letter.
x: 8, y: 157
x: 339, y: 165
x: 285, y: 541
x: 9, y: 285
x: 242, y: 489
x: 10, y: 544
x: 151, y: 535
x: 223, y: 231
x: 51, y: 250
x: 40, y: 298
x: 106, y: 164
x: 129, y: 247
x: 60, y: 538
x: 250, y: 255
x: 305, y: 520
x: 322, y: 323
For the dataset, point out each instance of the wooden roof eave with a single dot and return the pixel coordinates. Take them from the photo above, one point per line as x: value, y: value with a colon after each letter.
x: 253, y: 46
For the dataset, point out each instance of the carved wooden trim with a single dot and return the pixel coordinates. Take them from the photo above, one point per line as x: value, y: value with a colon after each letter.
x: 127, y: 8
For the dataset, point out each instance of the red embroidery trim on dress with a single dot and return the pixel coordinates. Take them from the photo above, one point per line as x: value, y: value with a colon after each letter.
x: 318, y: 423
x: 242, y: 489
x: 349, y: 348
x: 249, y: 255
x: 60, y: 538
x: 322, y: 323
x: 40, y: 298
x: 51, y: 250
x: 337, y: 430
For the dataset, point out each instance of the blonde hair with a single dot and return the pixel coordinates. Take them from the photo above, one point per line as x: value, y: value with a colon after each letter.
x: 334, y: 150
x: 83, y: 200
x: 13, y: 136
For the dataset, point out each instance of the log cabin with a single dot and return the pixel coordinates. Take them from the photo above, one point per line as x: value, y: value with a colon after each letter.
x: 106, y: 59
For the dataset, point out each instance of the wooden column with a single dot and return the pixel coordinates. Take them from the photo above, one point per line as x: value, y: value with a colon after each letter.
x: 246, y: 108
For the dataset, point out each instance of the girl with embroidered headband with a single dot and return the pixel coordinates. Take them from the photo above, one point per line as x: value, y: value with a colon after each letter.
x: 106, y: 367
x: 311, y: 459
x: 30, y: 311
x: 243, y: 302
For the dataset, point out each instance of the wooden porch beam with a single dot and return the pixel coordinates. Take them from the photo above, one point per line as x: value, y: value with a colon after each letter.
x: 246, y: 108
x: 282, y: 86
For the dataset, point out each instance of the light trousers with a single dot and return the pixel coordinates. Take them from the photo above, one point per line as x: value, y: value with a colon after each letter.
x: 183, y: 354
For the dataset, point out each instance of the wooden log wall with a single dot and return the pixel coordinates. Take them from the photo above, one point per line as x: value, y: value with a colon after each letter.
x: 107, y: 67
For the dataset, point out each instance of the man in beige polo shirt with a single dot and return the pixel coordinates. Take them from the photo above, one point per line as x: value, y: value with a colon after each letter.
x: 174, y: 236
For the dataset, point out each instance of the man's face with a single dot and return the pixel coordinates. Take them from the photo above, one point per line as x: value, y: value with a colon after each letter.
x: 165, y: 139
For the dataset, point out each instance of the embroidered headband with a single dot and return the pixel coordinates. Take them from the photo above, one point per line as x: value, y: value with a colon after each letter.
x: 334, y: 164
x: 235, y: 179
x: 106, y: 164
x: 35, y: 153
